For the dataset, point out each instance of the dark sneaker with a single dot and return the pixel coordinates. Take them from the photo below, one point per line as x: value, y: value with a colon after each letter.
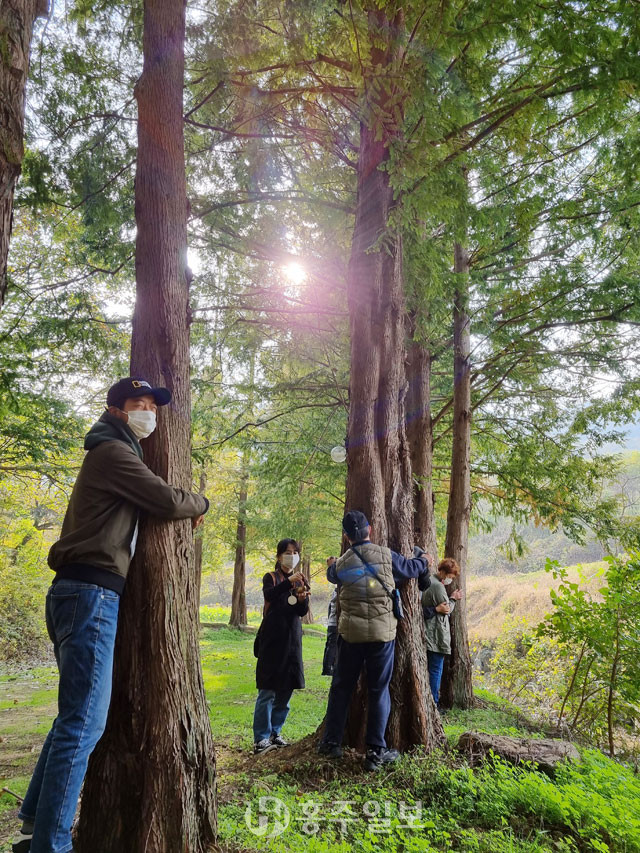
x: 377, y: 758
x: 22, y: 844
x: 276, y: 740
x: 263, y: 746
x: 330, y: 750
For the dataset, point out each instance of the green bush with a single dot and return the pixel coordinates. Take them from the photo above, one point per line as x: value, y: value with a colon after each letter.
x: 24, y: 578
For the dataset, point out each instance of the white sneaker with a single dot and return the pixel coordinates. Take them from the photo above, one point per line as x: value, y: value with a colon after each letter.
x: 263, y: 746
x: 22, y: 844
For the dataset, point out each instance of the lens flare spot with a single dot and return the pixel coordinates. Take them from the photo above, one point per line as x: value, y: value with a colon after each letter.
x: 294, y: 272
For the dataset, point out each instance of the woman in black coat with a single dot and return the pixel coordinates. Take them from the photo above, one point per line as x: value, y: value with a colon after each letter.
x: 279, y: 670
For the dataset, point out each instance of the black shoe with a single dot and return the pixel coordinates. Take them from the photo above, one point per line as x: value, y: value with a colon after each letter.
x: 330, y: 750
x: 276, y: 740
x: 22, y: 844
x: 377, y: 758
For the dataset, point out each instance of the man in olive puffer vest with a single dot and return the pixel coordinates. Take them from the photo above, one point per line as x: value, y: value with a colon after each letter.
x: 366, y: 576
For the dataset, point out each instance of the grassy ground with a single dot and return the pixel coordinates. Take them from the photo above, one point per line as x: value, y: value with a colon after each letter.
x: 334, y: 807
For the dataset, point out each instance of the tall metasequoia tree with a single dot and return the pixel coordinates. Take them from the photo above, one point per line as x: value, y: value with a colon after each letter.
x: 151, y: 781
x: 238, y: 596
x: 420, y: 438
x: 16, y: 28
x: 379, y: 480
x: 457, y: 684
x: 199, y: 543
x: 307, y: 619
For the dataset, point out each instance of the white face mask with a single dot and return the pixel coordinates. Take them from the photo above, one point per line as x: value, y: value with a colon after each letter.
x: 447, y: 581
x: 142, y: 423
x: 289, y: 561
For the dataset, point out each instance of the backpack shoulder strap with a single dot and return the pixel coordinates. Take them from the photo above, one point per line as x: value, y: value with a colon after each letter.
x: 267, y: 604
x: 369, y: 568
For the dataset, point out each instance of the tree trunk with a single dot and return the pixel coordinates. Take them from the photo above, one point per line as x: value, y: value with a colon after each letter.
x: 151, y: 782
x: 546, y: 753
x: 199, y: 542
x: 238, y: 596
x: 420, y: 438
x: 307, y: 619
x: 611, y: 690
x: 16, y: 28
x: 379, y: 479
x: 457, y: 685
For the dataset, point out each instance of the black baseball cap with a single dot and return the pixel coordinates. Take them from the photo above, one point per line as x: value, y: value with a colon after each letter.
x: 134, y: 386
x: 355, y: 525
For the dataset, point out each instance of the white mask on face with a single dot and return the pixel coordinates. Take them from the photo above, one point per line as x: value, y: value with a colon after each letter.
x: 289, y: 561
x: 142, y: 423
x: 447, y: 581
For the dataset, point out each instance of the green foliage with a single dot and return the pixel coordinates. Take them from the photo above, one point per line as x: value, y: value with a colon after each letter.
x: 580, y: 667
x: 22, y: 590
x: 31, y: 511
x: 590, y: 806
x: 24, y: 575
x: 599, y: 639
x: 526, y: 670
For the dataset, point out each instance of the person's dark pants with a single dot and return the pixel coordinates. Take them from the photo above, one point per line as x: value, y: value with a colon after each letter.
x: 435, y: 664
x: 330, y: 648
x: 378, y: 659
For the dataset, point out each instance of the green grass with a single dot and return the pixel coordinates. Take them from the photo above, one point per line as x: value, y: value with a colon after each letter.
x: 222, y: 615
x: 229, y: 670
x: 593, y: 806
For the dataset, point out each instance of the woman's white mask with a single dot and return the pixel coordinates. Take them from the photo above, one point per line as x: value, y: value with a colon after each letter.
x: 447, y: 581
x: 289, y: 561
x: 142, y: 423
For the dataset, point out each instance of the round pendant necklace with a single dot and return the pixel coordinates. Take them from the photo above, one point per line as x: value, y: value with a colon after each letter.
x: 292, y: 600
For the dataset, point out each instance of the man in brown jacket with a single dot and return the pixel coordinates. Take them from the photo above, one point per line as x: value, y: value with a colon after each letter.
x: 91, y: 560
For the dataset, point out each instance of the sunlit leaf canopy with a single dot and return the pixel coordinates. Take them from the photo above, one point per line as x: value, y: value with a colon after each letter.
x: 516, y: 135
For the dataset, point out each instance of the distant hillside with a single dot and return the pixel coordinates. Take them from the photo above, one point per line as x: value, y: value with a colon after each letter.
x: 491, y: 600
x: 487, y: 550
x: 486, y: 555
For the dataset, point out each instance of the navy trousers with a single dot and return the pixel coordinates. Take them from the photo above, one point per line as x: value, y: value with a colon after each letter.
x: 378, y: 660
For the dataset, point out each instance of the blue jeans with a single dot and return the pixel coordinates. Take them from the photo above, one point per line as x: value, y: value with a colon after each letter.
x: 81, y: 621
x: 378, y: 658
x: 435, y: 663
x: 270, y: 713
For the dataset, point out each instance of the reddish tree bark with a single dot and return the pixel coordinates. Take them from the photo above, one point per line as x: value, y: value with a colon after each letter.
x: 307, y: 619
x: 199, y: 542
x: 16, y: 28
x: 420, y: 438
x: 238, y: 595
x: 151, y: 781
x: 379, y: 480
x: 457, y: 681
